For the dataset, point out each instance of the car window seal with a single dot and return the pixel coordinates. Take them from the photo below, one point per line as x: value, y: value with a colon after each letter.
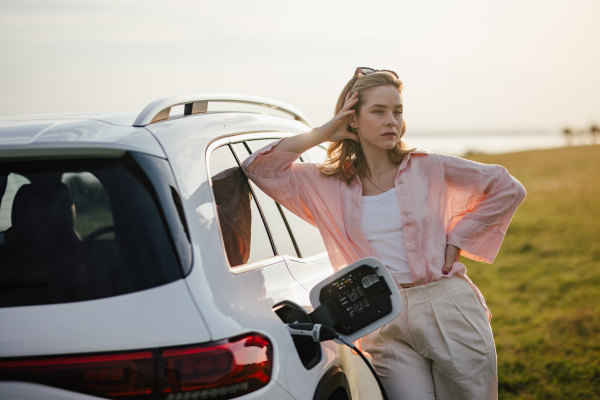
x: 285, y: 221
x: 260, y: 211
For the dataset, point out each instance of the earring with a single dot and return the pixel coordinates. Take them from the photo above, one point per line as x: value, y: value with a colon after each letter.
x: 354, y: 130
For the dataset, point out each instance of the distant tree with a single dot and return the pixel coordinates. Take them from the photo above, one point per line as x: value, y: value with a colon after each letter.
x: 595, y: 133
x: 568, y: 136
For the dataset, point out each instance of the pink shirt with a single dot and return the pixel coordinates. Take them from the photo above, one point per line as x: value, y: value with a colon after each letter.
x: 443, y: 200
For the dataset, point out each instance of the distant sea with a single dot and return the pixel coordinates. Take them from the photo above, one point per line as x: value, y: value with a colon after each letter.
x: 461, y: 143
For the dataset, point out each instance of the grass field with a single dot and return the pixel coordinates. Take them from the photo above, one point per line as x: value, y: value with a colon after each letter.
x: 544, y: 287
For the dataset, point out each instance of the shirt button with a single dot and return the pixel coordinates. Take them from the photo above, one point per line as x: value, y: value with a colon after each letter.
x: 420, y: 281
x: 412, y: 248
x: 400, y: 181
x: 406, y: 212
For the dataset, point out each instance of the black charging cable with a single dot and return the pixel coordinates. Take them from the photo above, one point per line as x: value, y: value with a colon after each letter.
x: 320, y: 333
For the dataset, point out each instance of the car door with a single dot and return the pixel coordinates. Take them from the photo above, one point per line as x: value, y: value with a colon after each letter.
x: 309, y: 263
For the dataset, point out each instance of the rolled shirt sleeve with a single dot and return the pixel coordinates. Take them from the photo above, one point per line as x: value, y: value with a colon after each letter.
x: 482, y: 200
x: 281, y: 179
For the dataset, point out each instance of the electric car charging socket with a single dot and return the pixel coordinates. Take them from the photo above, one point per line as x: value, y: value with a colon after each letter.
x: 364, y: 294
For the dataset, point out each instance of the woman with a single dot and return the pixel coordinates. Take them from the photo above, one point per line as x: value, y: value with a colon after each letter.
x: 417, y: 212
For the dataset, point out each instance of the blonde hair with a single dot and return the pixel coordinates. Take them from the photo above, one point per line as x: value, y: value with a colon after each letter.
x: 345, y: 158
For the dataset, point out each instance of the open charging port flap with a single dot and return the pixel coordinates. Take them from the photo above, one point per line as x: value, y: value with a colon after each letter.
x: 357, y: 299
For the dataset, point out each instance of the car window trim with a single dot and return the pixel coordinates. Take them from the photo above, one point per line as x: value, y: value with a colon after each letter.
x: 289, y: 228
x: 285, y: 221
x: 257, y: 136
x: 281, y: 213
x: 260, y: 211
x: 240, y: 269
x: 248, y: 149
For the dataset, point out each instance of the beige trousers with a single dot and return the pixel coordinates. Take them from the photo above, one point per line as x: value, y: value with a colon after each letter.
x: 440, y: 346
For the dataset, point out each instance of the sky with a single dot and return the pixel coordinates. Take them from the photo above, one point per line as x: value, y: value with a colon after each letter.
x: 466, y: 64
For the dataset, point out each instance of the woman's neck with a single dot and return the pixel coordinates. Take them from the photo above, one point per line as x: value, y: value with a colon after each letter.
x: 378, y: 162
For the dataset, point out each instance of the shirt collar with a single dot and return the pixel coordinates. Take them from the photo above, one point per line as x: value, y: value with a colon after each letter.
x: 404, y: 162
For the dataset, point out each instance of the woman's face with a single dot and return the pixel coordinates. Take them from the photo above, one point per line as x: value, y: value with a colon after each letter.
x: 380, y: 121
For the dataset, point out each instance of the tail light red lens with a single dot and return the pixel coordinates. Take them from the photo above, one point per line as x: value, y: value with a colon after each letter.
x: 101, y: 375
x: 223, y: 371
x: 219, y: 370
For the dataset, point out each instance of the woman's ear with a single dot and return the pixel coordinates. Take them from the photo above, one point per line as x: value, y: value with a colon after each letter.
x: 352, y: 120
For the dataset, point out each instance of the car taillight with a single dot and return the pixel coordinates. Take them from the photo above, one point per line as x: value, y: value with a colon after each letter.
x: 222, y: 371
x: 219, y: 370
x: 103, y: 375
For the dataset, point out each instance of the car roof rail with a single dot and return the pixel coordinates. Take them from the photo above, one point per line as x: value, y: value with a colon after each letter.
x: 160, y: 109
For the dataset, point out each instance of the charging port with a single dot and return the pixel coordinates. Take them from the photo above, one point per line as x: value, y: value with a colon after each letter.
x: 308, y: 350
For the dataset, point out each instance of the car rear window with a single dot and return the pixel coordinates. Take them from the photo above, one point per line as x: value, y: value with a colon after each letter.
x: 74, y: 230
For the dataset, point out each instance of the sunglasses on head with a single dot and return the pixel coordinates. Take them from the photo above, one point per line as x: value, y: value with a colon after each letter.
x: 367, y: 71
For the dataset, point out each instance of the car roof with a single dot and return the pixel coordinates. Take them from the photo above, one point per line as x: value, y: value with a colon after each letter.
x: 149, y: 131
x: 63, y: 135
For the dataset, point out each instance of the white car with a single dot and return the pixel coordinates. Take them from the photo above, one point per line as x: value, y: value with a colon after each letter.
x: 138, y: 262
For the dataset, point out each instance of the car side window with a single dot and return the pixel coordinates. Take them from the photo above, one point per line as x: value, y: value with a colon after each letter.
x: 284, y: 243
x: 243, y: 230
x: 307, y: 237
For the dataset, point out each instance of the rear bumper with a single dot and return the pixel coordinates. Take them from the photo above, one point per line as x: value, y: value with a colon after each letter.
x: 33, y: 391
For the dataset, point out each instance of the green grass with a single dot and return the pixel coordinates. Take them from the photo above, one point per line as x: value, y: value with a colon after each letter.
x: 544, y: 287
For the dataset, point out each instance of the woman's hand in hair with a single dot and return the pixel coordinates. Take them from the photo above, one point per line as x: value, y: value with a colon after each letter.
x: 337, y: 129
x: 452, y: 255
x: 333, y: 131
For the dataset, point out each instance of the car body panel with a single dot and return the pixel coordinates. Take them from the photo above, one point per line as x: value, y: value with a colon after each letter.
x: 49, y: 136
x: 162, y: 316
x: 360, y: 379
x: 309, y: 272
x: 34, y: 391
x: 123, y: 118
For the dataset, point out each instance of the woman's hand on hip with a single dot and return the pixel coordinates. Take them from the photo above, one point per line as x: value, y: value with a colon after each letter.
x: 337, y: 128
x: 452, y: 255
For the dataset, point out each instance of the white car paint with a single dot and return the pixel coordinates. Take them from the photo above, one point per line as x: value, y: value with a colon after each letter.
x: 55, y: 136
x: 157, y: 317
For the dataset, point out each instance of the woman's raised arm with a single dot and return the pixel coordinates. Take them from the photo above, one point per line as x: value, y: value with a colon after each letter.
x: 294, y: 186
x: 332, y: 131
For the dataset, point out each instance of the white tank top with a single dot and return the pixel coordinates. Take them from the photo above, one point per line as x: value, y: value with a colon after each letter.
x: 381, y: 223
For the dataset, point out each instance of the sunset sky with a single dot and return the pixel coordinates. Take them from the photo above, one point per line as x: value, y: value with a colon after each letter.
x: 465, y: 64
